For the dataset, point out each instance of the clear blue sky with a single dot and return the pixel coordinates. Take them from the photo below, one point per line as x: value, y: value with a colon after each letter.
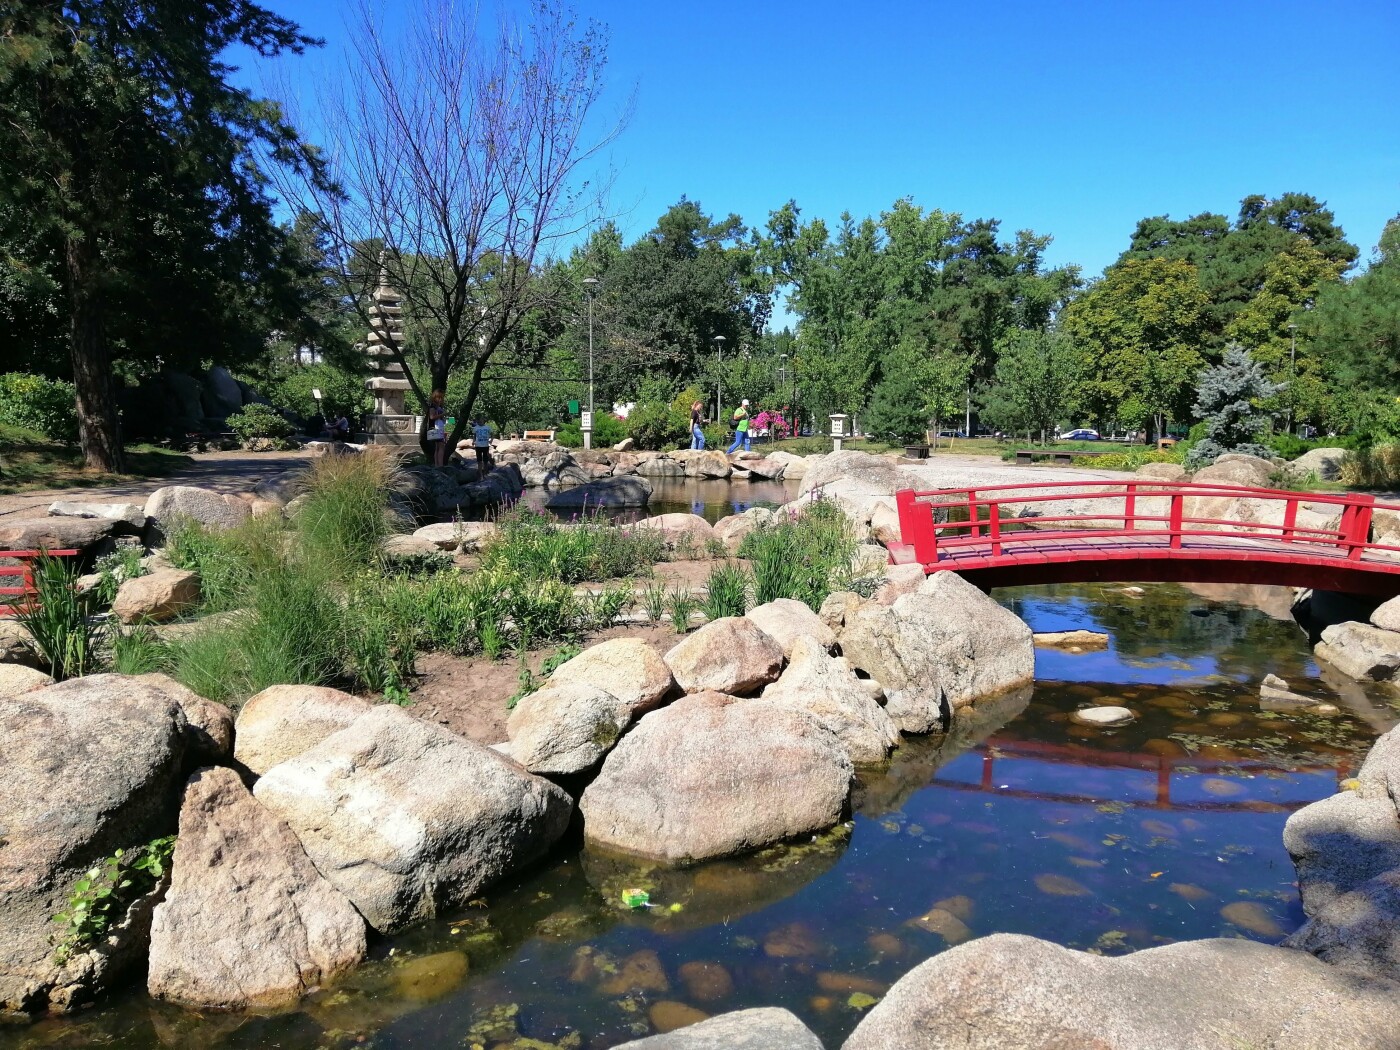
x: 1071, y: 118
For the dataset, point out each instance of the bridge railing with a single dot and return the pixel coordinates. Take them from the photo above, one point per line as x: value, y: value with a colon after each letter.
x: 994, y: 518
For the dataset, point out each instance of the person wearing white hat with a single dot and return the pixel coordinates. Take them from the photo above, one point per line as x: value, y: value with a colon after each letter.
x: 741, y: 428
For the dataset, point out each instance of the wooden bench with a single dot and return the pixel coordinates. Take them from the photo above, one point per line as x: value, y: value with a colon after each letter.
x: 1056, y: 455
x: 25, y: 571
x: 538, y: 435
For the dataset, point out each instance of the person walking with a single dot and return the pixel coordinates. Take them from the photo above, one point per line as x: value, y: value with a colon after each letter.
x: 697, y: 435
x: 437, y: 426
x: 481, y: 443
x: 741, y: 428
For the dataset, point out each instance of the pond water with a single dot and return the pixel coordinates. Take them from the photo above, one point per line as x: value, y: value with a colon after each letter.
x: 1019, y: 820
x: 711, y: 499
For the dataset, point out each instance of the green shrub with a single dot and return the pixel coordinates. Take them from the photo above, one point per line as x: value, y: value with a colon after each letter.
x: 342, y: 393
x: 116, y: 568
x: 259, y: 421
x: 34, y: 402
x: 60, y: 619
x: 608, y: 430
x: 801, y: 557
x: 102, y: 895
x: 344, y: 518
x: 726, y: 592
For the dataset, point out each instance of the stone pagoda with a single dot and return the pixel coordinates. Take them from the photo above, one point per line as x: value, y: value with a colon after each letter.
x: 390, y: 423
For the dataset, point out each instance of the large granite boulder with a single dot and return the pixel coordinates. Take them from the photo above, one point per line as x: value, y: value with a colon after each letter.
x: 248, y: 922
x: 283, y: 487
x: 629, y: 491
x: 131, y: 517
x: 87, y: 767
x: 711, y: 776
x: 209, y: 724
x: 1011, y: 992
x: 157, y: 596
x: 16, y: 679
x: 1326, y: 463
x: 706, y: 463
x: 681, y: 531
x: 408, y: 819
x: 763, y: 1028
x: 1358, y: 931
x: 1360, y: 651
x: 660, y: 466
x: 627, y: 668
x: 794, y: 467
x: 732, y: 530
x: 729, y: 655
x: 787, y: 621
x: 1340, y: 842
x: 283, y: 721
x: 566, y: 728
x: 213, y: 510
x: 826, y: 687
x: 55, y: 533
x: 939, y: 648
x: 464, y: 536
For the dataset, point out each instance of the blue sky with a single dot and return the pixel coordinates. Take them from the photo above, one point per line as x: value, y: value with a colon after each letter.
x: 1071, y: 118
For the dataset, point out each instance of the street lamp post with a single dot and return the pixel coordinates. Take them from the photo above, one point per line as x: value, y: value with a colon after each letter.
x: 590, y: 285
x: 719, y: 379
x: 1292, y: 371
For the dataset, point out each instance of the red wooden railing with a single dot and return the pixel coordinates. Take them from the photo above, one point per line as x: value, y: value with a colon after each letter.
x: 984, y: 512
x: 12, y: 597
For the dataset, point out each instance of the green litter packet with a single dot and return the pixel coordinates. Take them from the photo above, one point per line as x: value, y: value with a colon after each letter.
x: 636, y: 898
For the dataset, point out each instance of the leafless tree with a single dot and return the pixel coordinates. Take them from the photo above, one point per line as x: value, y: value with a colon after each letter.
x: 461, y: 148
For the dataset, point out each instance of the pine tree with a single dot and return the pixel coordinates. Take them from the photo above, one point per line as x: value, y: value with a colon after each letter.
x: 1227, y: 399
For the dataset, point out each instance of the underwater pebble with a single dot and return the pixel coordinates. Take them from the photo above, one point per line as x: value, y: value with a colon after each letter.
x: 639, y: 972
x: 706, y: 982
x: 792, y: 941
x: 1060, y: 886
x: 846, y: 983
x: 1189, y: 892
x: 1253, y: 917
x: 668, y: 1015
x: 1103, y: 716
x: 885, y: 944
x: 945, y: 924
x: 430, y: 977
x: 1220, y: 787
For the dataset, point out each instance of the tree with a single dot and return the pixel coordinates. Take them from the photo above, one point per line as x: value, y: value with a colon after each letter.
x: 897, y: 413
x: 463, y: 151
x: 1036, y: 383
x: 1140, y: 332
x: 1228, y: 400
x: 122, y: 144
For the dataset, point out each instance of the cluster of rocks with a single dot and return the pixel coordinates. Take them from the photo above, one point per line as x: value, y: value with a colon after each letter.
x: 312, y: 819
x: 1368, y: 651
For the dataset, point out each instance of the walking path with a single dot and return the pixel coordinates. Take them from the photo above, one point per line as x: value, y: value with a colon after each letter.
x: 229, y: 472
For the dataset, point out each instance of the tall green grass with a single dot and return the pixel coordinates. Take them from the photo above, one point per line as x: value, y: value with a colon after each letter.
x: 726, y: 592
x: 803, y: 557
x: 591, y: 549
x: 60, y: 621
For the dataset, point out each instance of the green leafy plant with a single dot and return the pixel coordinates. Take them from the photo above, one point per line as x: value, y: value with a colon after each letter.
x: 39, y: 404
x: 60, y: 619
x: 259, y: 421
x: 139, y: 651
x: 590, y: 549
x: 101, y: 896
x: 493, y: 641
x: 607, y: 605
x: 654, y: 600
x: 726, y: 592
x: 682, y: 605
x: 801, y: 556
x: 531, y: 683
x: 608, y: 430
x: 116, y: 568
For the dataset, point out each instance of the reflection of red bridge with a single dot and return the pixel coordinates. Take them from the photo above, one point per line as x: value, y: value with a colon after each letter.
x: 1081, y: 531
x: 996, y: 750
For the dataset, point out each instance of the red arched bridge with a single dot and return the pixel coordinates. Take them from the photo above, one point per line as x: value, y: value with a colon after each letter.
x: 1157, y: 531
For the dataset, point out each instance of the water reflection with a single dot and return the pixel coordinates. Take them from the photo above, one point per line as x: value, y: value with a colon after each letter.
x: 1019, y: 820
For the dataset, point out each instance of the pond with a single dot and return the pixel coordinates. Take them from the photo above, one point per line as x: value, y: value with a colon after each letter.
x: 1020, y: 820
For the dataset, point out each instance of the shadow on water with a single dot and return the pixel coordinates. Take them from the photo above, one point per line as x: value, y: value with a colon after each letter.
x: 711, y: 499
x: 1019, y: 819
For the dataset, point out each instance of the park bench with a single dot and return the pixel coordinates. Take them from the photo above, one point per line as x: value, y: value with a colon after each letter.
x: 1056, y: 455
x: 24, y: 570
x: 539, y: 435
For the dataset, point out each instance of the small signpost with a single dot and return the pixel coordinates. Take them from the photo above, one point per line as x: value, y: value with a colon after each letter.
x: 586, y: 425
x: 838, y: 430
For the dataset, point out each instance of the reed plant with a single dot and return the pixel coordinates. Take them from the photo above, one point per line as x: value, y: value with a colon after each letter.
x: 801, y: 556
x: 681, y: 604
x: 60, y: 619
x: 591, y: 549
x: 726, y: 592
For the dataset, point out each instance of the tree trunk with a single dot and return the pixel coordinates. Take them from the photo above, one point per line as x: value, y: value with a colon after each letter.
x: 99, y: 427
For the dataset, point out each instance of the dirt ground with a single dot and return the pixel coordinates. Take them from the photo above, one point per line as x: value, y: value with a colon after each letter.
x: 468, y: 694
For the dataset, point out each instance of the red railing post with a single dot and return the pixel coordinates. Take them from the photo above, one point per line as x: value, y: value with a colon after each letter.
x: 1130, y: 507
x: 975, y: 530
x: 1174, y: 525
x: 1290, y: 518
x: 916, y: 526
x: 994, y: 527
x: 1356, y: 526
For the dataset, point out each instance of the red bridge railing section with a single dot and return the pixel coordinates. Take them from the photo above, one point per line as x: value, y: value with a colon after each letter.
x: 14, y: 596
x: 951, y: 528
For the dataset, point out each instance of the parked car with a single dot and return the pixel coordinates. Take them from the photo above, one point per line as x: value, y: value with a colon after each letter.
x: 1080, y: 435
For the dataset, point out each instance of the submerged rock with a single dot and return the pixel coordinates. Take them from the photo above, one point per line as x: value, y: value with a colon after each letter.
x: 409, y: 820
x: 711, y: 776
x: 1011, y: 992
x: 248, y: 921
x: 1102, y: 716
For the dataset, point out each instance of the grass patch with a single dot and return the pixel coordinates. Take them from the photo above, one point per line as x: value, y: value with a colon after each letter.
x: 28, y: 460
x: 590, y: 550
x: 60, y: 620
x: 804, y: 557
x: 726, y: 592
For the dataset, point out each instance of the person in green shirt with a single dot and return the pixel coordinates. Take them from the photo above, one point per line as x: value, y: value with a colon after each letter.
x: 741, y: 428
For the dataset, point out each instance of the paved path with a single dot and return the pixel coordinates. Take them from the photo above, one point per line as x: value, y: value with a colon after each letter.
x: 229, y: 472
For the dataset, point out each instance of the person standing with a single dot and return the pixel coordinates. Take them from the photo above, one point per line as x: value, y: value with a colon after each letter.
x: 437, y: 426
x: 697, y: 435
x: 741, y: 428
x: 481, y: 444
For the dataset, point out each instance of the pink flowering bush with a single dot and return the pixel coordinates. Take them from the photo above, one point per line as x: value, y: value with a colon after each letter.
x: 773, y: 421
